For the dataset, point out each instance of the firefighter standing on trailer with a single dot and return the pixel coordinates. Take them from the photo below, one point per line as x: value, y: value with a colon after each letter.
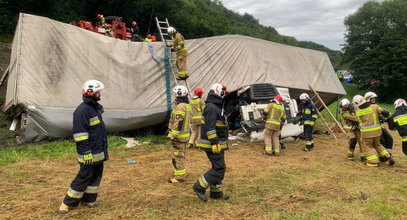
x: 275, y: 117
x: 89, y: 132
x: 214, y: 136
x: 308, y: 118
x: 352, y: 129
x: 134, y: 30
x: 179, y: 132
x: 367, y: 116
x: 197, y: 106
x: 399, y: 121
x: 181, y: 51
x: 107, y: 27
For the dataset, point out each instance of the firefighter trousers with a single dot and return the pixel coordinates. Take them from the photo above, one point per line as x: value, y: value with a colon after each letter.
x: 178, y: 159
x: 404, y: 145
x: 271, y: 141
x: 214, y: 177
x: 372, y: 147
x: 195, y: 131
x: 309, y: 144
x: 182, y: 64
x: 355, y: 138
x: 84, y: 188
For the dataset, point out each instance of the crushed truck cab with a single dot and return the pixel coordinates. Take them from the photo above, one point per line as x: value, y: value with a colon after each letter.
x: 244, y: 110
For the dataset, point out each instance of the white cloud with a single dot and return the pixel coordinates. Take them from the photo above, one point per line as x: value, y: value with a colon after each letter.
x: 320, y: 21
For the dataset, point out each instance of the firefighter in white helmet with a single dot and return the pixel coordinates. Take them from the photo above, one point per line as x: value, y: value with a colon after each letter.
x: 214, y: 136
x: 178, y: 44
x: 352, y: 129
x: 89, y: 133
x: 179, y: 132
x: 399, y: 121
x: 308, y: 118
x: 386, y: 139
x: 367, y: 116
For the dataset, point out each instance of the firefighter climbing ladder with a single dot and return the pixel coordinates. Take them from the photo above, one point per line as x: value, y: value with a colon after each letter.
x: 162, y: 27
x: 319, y: 105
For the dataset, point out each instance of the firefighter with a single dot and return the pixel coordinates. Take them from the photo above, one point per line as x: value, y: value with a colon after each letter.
x: 214, y: 136
x: 148, y: 38
x: 386, y: 139
x: 370, y: 129
x: 399, y: 121
x: 181, y: 51
x: 103, y: 24
x: 179, y: 132
x: 89, y: 132
x: 197, y: 106
x: 275, y: 117
x: 308, y: 118
x: 352, y: 129
x: 134, y: 30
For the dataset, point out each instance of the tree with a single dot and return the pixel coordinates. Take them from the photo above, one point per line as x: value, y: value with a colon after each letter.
x: 376, y: 46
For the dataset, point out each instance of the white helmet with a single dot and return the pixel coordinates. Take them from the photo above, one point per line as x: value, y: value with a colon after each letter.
x: 370, y: 95
x: 304, y: 96
x: 345, y: 102
x: 92, y: 86
x: 180, y: 91
x: 400, y: 102
x: 171, y: 30
x: 358, y: 100
x: 219, y: 89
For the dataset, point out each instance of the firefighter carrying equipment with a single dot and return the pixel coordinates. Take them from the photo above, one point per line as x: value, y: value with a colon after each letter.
x: 367, y: 116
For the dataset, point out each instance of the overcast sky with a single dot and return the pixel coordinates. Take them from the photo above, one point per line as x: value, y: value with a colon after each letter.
x: 320, y: 21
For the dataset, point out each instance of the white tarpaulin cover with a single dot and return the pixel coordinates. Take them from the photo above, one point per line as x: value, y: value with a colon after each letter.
x: 51, y: 60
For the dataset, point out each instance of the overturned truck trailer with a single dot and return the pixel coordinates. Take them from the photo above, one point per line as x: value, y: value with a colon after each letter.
x: 51, y: 60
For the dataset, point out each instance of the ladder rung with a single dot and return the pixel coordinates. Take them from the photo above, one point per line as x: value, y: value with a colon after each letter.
x: 164, y: 27
x: 165, y: 34
x: 162, y: 22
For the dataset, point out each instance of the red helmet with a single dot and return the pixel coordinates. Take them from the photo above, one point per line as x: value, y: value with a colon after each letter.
x: 278, y: 98
x: 198, y: 92
x: 98, y: 16
x: 153, y: 38
x: 149, y: 36
x: 134, y: 23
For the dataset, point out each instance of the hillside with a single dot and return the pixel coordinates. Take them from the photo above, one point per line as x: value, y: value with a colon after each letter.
x: 193, y: 18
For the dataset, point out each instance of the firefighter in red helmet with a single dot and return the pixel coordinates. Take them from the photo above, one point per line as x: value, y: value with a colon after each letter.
x: 274, y: 115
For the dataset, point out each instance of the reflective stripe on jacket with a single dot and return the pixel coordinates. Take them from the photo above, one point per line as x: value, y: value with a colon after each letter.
x: 197, y: 106
x: 179, y: 122
x: 309, y: 113
x: 399, y: 121
x: 275, y: 116
x: 368, y: 119
x: 89, y: 131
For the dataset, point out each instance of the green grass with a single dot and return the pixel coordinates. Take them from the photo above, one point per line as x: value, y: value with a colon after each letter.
x: 53, y: 149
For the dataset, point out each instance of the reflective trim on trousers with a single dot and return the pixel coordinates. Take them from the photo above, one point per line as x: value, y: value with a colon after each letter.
x: 370, y: 128
x: 91, y: 190
x: 180, y: 172
x: 202, y: 181
x: 96, y: 157
x: 75, y: 194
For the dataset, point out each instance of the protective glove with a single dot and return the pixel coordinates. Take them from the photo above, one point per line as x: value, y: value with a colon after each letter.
x: 312, y: 123
x: 88, y: 159
x: 172, y: 49
x: 216, y: 149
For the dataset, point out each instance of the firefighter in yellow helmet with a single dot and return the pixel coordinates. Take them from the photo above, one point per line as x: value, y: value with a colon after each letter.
x: 197, y: 106
x: 275, y: 117
x: 367, y: 116
x: 181, y: 51
x: 179, y: 132
x: 352, y: 129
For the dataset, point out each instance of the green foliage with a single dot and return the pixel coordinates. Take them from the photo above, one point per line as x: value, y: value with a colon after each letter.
x: 376, y: 46
x: 194, y: 18
x: 53, y: 149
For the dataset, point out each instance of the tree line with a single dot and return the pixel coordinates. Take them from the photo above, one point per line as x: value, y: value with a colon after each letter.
x: 194, y: 18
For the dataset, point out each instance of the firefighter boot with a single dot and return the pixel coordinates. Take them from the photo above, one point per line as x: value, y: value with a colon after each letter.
x: 389, y: 161
x: 63, y: 209
x: 200, y: 191
x: 219, y: 195
x: 90, y: 204
x: 350, y: 155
